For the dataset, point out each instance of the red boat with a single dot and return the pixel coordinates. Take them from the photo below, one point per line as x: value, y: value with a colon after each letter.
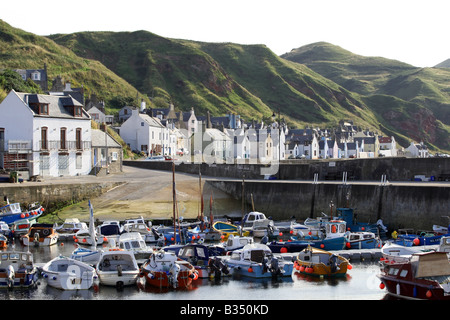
x: 165, y: 270
x: 425, y: 276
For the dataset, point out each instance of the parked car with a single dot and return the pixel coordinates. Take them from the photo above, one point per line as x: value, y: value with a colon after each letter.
x: 155, y: 158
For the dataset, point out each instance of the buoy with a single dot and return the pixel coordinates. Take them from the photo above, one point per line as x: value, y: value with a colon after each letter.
x: 284, y: 250
x: 348, y: 245
x: 363, y: 228
x: 322, y: 245
x: 280, y: 234
x: 382, y: 286
x: 250, y: 269
x: 349, y: 267
x: 84, y: 240
x: 416, y: 241
x: 429, y: 294
x: 302, y: 269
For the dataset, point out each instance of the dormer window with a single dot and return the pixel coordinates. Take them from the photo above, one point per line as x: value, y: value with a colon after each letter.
x: 77, y: 111
x: 39, y: 108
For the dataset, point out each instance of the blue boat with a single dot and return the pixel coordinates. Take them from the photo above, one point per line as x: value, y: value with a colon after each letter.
x: 323, y: 234
x: 12, y: 212
x: 350, y: 218
x: 409, y: 238
x: 362, y: 240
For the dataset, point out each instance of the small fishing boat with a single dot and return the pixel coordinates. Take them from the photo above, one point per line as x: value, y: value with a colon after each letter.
x: 394, y: 253
x: 291, y: 246
x: 149, y: 234
x: 321, y: 263
x: 117, y: 268
x: 17, y: 270
x: 133, y: 241
x: 4, y: 228
x: 69, y: 228
x: 353, y: 225
x: 236, y: 242
x: 362, y: 240
x: 409, y: 238
x: 40, y: 234
x: 199, y: 255
x: 165, y: 270
x: 68, y: 274
x: 425, y: 276
x: 257, y: 261
x: 227, y: 229
x: 12, y: 212
x: 257, y: 224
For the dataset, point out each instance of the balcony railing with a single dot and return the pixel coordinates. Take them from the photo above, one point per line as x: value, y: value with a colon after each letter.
x: 16, y: 146
x: 63, y: 145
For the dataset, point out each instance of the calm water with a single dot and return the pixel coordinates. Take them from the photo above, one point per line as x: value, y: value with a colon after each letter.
x: 361, y: 283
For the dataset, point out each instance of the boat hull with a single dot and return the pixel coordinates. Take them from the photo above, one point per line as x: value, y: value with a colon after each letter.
x: 113, y: 278
x: 161, y: 279
x: 257, y: 270
x: 21, y: 280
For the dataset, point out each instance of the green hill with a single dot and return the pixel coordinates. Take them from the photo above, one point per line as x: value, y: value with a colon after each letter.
x: 318, y: 84
x: 24, y: 50
x: 388, y: 87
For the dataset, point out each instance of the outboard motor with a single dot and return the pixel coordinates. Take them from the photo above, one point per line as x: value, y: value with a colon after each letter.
x: 334, y: 263
x: 119, y: 270
x: 11, y: 275
x: 36, y: 238
x: 274, y: 267
x: 218, y: 267
x: 173, y: 275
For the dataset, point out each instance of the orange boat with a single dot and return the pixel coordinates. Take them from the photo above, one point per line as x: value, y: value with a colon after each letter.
x: 165, y: 270
x: 318, y: 262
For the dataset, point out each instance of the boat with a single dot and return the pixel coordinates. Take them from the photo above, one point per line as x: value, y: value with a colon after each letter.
x: 4, y: 228
x: 353, y: 225
x: 12, y: 212
x: 226, y: 229
x: 40, y: 234
x: 163, y: 269
x: 392, y: 252
x: 68, y: 274
x: 109, y: 229
x: 362, y: 240
x: 323, y: 234
x: 321, y: 263
x: 150, y: 234
x: 425, y: 276
x: 444, y: 245
x: 134, y: 242
x: 236, y: 242
x: 17, y: 270
x: 21, y: 227
x: 117, y: 268
x: 407, y: 237
x: 199, y: 255
x: 69, y: 228
x: 257, y: 224
x: 256, y: 260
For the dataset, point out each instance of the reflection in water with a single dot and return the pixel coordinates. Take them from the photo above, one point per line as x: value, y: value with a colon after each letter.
x: 355, y: 285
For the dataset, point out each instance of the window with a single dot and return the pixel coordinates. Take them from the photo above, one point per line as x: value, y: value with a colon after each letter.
x: 36, y: 76
x: 63, y: 145
x: 79, y: 143
x: 44, y: 142
x: 77, y: 112
x: 43, y: 108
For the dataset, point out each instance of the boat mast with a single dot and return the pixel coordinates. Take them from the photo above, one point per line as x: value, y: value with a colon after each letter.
x: 174, y: 200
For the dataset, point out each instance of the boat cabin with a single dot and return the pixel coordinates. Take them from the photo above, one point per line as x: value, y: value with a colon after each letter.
x: 335, y: 228
x: 19, y: 260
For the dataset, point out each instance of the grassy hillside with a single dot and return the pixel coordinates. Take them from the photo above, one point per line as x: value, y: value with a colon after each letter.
x: 418, y: 97
x: 24, y: 50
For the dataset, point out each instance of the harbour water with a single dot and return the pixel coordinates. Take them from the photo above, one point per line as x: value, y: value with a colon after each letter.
x: 361, y: 283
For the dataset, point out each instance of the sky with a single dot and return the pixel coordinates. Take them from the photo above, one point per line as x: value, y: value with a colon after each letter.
x: 411, y: 31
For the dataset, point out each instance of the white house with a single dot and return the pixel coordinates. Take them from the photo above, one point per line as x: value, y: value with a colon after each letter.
x: 388, y: 147
x: 45, y: 135
x: 145, y: 134
x: 99, y: 116
x: 217, y: 146
x: 418, y: 150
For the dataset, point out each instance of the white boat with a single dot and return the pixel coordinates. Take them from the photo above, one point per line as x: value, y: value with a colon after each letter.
x: 40, y: 234
x: 395, y: 253
x: 133, y: 241
x: 444, y: 245
x: 69, y: 274
x: 69, y: 228
x: 149, y: 234
x: 257, y: 261
x: 237, y: 242
x: 257, y: 224
x: 117, y: 268
x: 17, y: 270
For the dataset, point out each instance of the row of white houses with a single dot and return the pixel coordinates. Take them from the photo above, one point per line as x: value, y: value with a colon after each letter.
x: 51, y: 135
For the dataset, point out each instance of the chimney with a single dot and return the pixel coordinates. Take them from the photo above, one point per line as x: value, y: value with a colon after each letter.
x: 142, y: 105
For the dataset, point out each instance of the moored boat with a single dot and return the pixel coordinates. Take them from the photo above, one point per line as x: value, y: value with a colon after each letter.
x: 321, y: 263
x: 362, y: 240
x: 227, y: 229
x: 425, y: 276
x: 257, y: 261
x: 199, y: 255
x: 17, y: 270
x: 40, y: 234
x: 165, y: 270
x: 12, y: 212
x: 394, y: 253
x: 68, y: 274
x: 117, y: 268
